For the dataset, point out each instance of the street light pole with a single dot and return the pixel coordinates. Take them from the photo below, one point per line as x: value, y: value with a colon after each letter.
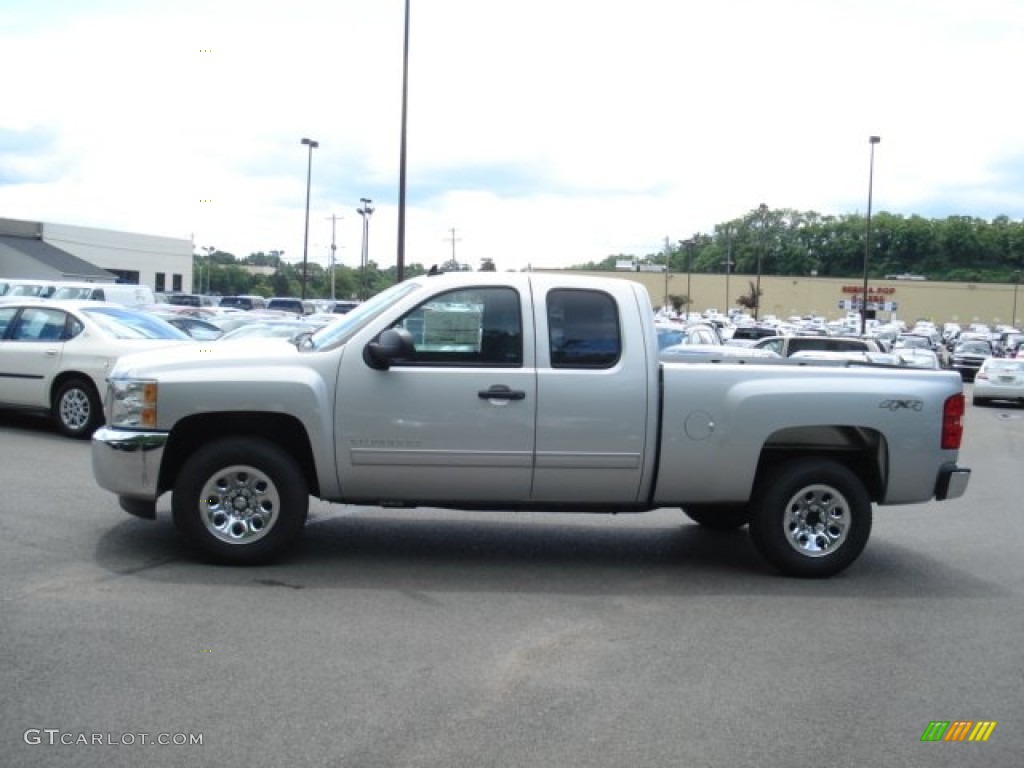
x: 762, y: 209
x: 305, y: 240
x: 688, y: 246
x: 872, y: 140
x: 1016, y: 282
x: 400, y: 265
x: 365, y: 212
x: 728, y: 265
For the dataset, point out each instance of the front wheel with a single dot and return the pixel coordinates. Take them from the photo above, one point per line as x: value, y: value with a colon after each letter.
x: 812, y: 518
x: 240, y: 500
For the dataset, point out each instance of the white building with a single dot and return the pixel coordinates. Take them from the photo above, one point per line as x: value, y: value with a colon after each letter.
x: 45, y: 251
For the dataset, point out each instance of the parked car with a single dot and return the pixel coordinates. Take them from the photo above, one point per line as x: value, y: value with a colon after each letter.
x: 191, y: 300
x: 128, y: 294
x: 968, y: 356
x: 787, y: 346
x: 925, y: 359
x: 22, y: 289
x: 55, y: 357
x: 342, y: 307
x: 749, y: 335
x: 999, y: 379
x: 293, y: 305
x: 674, y: 334
x: 246, y: 302
x: 280, y: 329
x: 201, y: 330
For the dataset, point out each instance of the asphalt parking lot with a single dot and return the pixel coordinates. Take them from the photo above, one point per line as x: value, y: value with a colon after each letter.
x: 431, y: 638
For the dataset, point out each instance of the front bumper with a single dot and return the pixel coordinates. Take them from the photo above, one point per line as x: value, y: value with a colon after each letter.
x: 128, y: 464
x: 952, y: 482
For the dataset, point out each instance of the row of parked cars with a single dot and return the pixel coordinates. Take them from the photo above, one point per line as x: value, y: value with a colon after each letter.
x: 994, y: 365
x: 55, y: 353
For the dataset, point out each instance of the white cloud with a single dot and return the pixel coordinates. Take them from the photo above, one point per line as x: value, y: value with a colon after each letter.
x: 543, y: 132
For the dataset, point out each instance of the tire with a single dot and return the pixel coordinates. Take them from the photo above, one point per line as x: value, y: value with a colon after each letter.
x: 811, y: 518
x: 76, y: 409
x: 240, y: 501
x: 719, y: 517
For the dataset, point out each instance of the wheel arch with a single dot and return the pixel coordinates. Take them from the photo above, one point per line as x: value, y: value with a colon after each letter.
x: 862, y: 450
x: 282, y: 429
x: 65, y: 376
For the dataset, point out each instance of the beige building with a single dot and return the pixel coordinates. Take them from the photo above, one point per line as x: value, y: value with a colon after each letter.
x: 907, y: 300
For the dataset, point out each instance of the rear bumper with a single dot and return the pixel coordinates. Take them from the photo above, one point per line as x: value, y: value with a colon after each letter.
x: 128, y: 464
x: 952, y: 482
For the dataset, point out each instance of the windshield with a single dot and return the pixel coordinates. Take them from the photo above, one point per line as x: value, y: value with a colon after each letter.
x: 342, y: 329
x: 128, y: 324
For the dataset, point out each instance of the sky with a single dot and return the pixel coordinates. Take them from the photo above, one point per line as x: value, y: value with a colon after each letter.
x: 541, y: 133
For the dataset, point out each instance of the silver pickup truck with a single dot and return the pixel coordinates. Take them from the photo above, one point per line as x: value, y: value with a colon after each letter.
x: 520, y: 391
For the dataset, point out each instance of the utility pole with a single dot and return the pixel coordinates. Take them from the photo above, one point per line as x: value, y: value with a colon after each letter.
x: 668, y: 253
x: 365, y: 212
x: 453, y: 239
x: 728, y: 264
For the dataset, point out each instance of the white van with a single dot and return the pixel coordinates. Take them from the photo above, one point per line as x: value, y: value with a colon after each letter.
x: 129, y: 295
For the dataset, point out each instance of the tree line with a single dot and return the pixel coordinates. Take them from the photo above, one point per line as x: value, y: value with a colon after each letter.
x: 802, y: 243
x: 785, y: 242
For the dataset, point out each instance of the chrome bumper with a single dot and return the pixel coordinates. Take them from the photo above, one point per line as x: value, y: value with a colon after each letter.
x: 952, y: 482
x: 128, y: 464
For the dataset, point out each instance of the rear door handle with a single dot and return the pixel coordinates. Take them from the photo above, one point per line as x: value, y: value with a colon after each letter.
x: 501, y: 392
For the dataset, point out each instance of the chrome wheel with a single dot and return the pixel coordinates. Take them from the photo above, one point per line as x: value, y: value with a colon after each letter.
x: 239, y: 505
x: 811, y: 517
x: 817, y: 520
x: 75, y: 409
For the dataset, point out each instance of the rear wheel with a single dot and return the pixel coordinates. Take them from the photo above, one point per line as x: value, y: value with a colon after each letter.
x: 718, y: 517
x: 812, y: 518
x: 76, y: 408
x: 240, y: 500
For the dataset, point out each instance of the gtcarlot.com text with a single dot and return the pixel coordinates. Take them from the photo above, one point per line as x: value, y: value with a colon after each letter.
x: 57, y: 737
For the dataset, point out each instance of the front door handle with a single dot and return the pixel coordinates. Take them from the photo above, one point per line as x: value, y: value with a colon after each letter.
x: 501, y: 392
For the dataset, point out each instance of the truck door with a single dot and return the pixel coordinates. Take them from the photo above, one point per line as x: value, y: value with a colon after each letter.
x: 455, y: 421
x: 595, y: 404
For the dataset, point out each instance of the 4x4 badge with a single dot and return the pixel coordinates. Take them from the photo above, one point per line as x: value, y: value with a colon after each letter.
x: 895, y: 405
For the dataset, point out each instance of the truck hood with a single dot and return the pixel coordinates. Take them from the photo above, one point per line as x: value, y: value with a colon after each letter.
x: 228, y: 355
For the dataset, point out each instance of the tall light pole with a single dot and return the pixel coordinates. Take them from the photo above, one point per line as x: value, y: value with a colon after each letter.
x: 1016, y: 282
x: 668, y: 269
x: 728, y: 264
x: 365, y: 212
x: 400, y: 265
x: 688, y: 246
x: 872, y: 140
x: 762, y: 211
x: 305, y: 240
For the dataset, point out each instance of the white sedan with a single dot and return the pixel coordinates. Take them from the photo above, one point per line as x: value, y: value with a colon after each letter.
x: 55, y: 356
x: 999, y: 378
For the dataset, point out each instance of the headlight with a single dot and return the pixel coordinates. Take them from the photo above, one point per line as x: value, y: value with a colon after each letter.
x: 131, y: 403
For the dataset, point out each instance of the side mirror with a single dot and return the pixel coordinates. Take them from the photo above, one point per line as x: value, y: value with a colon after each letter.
x: 392, y: 346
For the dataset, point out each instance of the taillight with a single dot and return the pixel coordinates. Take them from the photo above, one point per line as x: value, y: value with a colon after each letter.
x: 953, y: 422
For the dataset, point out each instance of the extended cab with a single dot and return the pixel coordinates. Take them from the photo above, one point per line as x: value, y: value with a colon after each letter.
x: 521, y: 391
